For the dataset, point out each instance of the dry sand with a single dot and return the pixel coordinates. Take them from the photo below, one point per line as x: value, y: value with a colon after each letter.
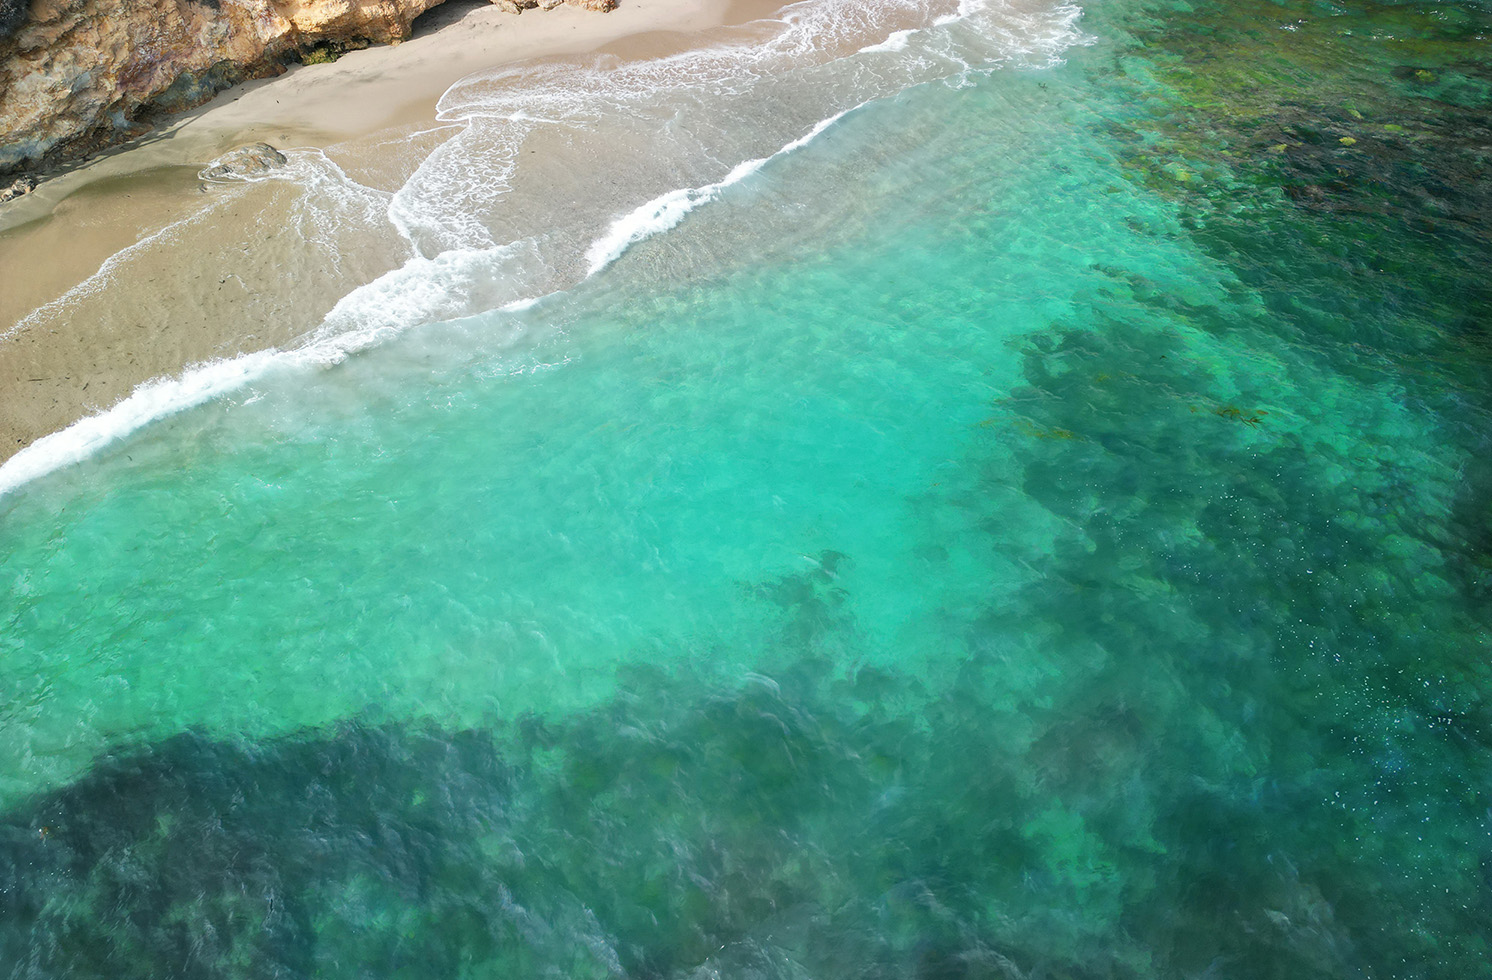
x: 201, y: 295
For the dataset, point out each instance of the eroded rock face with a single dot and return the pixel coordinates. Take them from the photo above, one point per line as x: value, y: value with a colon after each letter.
x: 78, y: 74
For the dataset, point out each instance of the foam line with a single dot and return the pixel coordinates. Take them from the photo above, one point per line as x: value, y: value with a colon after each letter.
x: 100, y: 279
x: 410, y: 295
x: 458, y: 269
x: 149, y: 402
x: 897, y: 41
x: 664, y: 212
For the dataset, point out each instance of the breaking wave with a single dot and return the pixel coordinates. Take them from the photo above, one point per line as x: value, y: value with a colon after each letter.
x: 552, y: 170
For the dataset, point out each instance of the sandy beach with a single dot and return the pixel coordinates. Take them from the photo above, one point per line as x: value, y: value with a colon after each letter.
x: 205, y: 276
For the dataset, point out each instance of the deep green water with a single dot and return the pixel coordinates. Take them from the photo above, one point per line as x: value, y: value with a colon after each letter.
x: 1039, y: 529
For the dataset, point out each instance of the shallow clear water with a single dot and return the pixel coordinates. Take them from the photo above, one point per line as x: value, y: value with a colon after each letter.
x: 1037, y: 528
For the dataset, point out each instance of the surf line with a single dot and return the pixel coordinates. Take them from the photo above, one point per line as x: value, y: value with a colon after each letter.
x: 163, y: 397
x: 665, y: 212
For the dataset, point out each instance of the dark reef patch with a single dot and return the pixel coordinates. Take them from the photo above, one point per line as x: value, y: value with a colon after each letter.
x: 1345, y: 145
x: 806, y: 824
x: 1346, y: 148
x: 203, y: 858
x: 1238, y: 727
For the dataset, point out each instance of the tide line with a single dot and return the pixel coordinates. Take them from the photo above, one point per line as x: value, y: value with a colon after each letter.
x: 459, y: 280
x: 665, y: 212
x: 147, y: 403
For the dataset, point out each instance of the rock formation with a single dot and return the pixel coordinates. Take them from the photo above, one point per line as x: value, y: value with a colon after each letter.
x: 76, y: 75
x: 20, y: 187
x: 243, y: 162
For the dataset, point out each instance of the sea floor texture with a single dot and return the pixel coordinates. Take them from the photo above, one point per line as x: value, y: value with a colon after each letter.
x: 996, y: 493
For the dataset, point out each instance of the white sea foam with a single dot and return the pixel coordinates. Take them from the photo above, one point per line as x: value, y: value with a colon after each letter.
x: 666, y: 211
x: 101, y: 279
x: 331, y: 206
x: 422, y: 290
x: 896, y: 41
x: 451, y: 285
x: 479, y: 215
x: 148, y: 402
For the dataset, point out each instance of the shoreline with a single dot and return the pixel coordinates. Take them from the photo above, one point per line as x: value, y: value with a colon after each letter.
x: 375, y: 88
x: 59, y: 369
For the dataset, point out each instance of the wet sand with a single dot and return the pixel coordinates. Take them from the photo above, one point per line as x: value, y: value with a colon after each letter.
x: 200, y: 274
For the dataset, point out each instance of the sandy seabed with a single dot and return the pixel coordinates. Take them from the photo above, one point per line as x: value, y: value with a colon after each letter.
x: 73, y: 342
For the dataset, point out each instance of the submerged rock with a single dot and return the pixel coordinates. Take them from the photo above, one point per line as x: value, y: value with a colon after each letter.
x: 249, y: 160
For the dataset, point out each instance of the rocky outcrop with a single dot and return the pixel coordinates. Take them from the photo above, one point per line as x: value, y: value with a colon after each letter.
x: 76, y: 75
x: 19, y: 187
x: 518, y: 6
x: 245, y: 162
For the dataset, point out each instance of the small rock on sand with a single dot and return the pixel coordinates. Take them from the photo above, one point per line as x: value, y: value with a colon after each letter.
x: 249, y: 160
x: 20, y: 187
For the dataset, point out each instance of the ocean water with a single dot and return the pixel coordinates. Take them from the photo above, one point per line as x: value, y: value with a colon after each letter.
x: 902, y: 492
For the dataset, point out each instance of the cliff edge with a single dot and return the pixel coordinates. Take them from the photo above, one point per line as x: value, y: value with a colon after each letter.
x: 77, y: 75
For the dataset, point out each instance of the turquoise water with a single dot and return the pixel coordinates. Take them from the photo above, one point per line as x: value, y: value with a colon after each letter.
x: 1038, y: 528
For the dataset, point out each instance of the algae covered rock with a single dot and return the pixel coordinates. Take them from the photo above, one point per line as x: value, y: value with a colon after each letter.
x: 244, y: 162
